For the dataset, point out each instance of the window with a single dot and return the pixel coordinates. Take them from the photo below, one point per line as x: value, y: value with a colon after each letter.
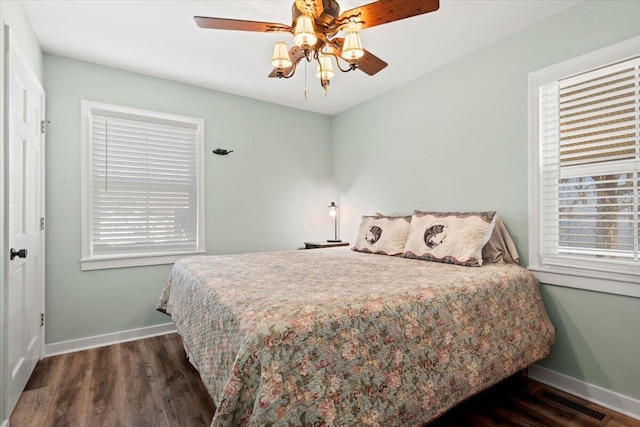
x: 142, y: 187
x: 585, y: 167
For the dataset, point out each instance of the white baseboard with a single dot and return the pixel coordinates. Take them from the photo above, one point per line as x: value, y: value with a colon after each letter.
x: 600, y: 396
x: 63, y: 347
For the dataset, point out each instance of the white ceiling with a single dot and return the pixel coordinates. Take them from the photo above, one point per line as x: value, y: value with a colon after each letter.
x: 160, y: 38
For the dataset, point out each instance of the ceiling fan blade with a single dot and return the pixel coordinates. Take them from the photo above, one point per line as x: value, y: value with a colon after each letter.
x: 385, y: 11
x: 369, y: 63
x: 310, y: 7
x: 296, y: 54
x: 239, y: 25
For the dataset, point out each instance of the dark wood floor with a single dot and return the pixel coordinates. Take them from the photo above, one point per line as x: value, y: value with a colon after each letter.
x: 150, y: 383
x: 139, y: 383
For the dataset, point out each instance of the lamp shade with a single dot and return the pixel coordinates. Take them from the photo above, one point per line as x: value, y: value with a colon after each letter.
x: 304, y: 35
x: 352, y: 47
x: 325, y: 68
x: 333, y: 209
x: 281, y: 58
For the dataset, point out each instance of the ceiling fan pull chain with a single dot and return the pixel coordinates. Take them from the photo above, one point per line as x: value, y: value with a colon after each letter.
x: 305, y: 82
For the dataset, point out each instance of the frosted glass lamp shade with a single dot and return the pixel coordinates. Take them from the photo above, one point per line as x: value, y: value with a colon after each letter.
x: 333, y: 209
x: 281, y: 58
x: 304, y: 35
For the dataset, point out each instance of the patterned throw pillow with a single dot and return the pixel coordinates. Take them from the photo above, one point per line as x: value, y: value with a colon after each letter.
x: 385, y: 235
x: 450, y: 237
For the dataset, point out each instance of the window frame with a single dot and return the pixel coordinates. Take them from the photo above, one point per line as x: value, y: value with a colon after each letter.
x: 577, y: 273
x: 90, y: 261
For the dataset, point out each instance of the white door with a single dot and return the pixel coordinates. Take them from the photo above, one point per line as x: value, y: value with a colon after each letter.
x: 25, y: 190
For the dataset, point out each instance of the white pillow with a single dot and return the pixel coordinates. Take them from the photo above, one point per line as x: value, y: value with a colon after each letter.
x: 385, y: 235
x: 449, y: 237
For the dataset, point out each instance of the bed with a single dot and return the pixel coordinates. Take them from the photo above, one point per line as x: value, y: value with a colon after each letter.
x: 337, y: 337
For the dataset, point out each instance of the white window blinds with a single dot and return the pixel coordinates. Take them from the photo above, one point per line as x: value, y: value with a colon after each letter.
x: 589, y: 128
x: 143, y: 190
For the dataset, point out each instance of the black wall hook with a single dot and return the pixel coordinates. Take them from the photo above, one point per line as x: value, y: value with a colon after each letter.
x: 222, y: 151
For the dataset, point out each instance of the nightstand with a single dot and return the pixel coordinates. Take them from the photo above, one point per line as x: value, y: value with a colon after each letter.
x: 324, y: 244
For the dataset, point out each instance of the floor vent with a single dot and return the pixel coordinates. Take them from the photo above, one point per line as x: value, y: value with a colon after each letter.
x: 597, y: 415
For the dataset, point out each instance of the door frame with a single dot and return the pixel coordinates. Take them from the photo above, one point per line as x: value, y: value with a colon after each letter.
x: 9, y: 43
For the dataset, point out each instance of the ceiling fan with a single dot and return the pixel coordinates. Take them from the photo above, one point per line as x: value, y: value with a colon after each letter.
x: 315, y: 25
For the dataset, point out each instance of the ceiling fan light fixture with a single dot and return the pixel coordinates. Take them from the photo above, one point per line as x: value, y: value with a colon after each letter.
x: 315, y: 25
x: 352, y: 48
x: 281, y: 58
x: 304, y: 35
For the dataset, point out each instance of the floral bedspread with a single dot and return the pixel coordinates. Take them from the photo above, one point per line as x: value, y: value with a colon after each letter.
x: 332, y: 337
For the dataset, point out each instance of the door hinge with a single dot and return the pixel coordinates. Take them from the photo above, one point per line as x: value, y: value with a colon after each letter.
x: 41, y: 319
x: 42, y: 125
x: 42, y: 223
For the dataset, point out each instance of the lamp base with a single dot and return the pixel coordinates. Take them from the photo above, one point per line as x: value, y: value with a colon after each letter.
x: 334, y: 241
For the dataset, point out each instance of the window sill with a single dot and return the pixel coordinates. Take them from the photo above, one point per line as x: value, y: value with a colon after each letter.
x: 88, y: 264
x: 575, y: 278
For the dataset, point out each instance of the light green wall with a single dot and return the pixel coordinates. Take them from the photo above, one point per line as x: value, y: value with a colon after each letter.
x: 597, y: 338
x: 271, y: 193
x: 456, y: 139
x: 13, y: 16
